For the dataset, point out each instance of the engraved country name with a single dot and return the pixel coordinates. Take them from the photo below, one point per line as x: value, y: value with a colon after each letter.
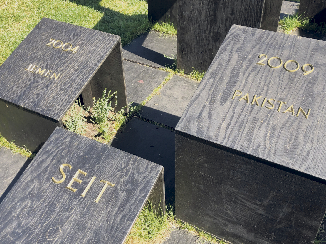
x: 76, y: 179
x: 42, y: 72
x: 270, y: 103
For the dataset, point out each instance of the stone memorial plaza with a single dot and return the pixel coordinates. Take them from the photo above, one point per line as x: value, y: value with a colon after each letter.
x: 239, y: 154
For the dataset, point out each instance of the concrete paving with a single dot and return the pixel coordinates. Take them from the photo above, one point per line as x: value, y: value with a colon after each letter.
x: 167, y: 107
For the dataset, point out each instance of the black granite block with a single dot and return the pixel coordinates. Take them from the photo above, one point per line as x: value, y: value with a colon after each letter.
x: 250, y: 161
x: 271, y: 15
x: 203, y: 25
x: 163, y: 11
x: 315, y: 9
x: 47, y: 72
x: 77, y: 190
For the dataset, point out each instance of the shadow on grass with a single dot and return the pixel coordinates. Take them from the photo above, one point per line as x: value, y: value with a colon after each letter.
x: 126, y: 26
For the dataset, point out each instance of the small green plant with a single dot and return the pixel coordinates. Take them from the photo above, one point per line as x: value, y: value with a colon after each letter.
x: 167, y: 28
x: 196, y: 75
x: 102, y: 108
x: 74, y: 120
x: 151, y: 227
x: 291, y: 23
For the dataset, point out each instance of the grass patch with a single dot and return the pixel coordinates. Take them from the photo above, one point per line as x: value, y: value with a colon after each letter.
x: 126, y: 18
x: 167, y: 28
x: 150, y: 228
x: 15, y: 149
x: 294, y: 22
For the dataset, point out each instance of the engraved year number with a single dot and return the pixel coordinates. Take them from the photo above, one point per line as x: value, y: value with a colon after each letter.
x: 279, y: 63
x: 67, y: 47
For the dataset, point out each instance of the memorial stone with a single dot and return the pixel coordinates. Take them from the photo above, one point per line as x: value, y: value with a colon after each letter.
x: 48, y: 71
x: 315, y: 9
x: 203, y: 25
x: 250, y: 147
x: 163, y: 11
x: 77, y: 190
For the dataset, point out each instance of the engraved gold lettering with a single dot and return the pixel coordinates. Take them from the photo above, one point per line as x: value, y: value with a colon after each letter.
x: 255, y: 100
x: 64, y: 46
x: 305, y: 72
x: 103, y: 189
x: 74, y: 50
x: 75, y: 179
x: 265, y: 99
x: 88, y: 186
x: 261, y: 61
x: 66, y: 49
x: 31, y: 68
x: 279, y: 107
x: 274, y: 67
x: 236, y: 93
x: 40, y: 71
x: 245, y: 97
x: 270, y: 103
x: 51, y: 42
x: 57, y: 41
x: 303, y: 112
x: 289, y: 109
x: 55, y: 76
x: 62, y: 173
x: 291, y: 70
x: 47, y: 73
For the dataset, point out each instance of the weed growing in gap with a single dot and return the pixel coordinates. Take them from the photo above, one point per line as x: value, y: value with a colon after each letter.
x: 163, y: 27
x: 102, y: 108
x: 15, y: 149
x: 151, y: 227
x: 291, y: 23
x: 74, y: 119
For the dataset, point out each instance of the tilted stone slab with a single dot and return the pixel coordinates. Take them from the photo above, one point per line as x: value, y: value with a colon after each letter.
x: 47, y: 72
x: 77, y: 190
x: 250, y: 147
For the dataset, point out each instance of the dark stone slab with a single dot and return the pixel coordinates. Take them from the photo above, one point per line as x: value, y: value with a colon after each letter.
x: 47, y: 72
x: 202, y: 26
x: 153, y: 49
x: 167, y: 107
x: 141, y: 80
x: 251, y: 169
x: 315, y: 9
x: 153, y: 143
x: 11, y: 167
x: 163, y: 11
x: 271, y: 15
x: 38, y: 210
x: 289, y: 8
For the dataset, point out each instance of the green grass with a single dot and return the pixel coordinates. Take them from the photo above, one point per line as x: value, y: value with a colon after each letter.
x: 167, y: 28
x: 15, y: 149
x: 291, y: 23
x: 294, y: 22
x: 126, y: 18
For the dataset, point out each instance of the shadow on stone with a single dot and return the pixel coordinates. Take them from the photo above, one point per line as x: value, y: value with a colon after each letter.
x: 153, y: 143
x: 20, y: 172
